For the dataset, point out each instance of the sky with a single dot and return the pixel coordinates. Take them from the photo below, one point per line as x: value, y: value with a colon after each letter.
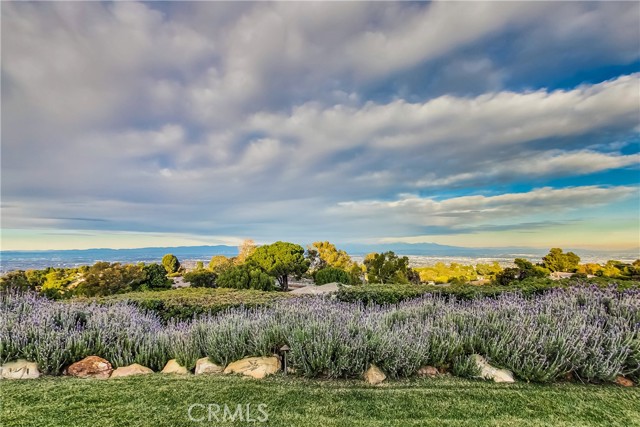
x: 460, y: 123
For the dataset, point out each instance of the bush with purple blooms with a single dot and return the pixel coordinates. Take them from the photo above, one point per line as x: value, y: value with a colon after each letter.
x: 593, y: 333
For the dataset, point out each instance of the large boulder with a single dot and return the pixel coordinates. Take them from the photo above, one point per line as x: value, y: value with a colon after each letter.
x: 255, y: 367
x: 488, y: 372
x: 127, y: 371
x: 205, y: 366
x: 374, y: 375
x: 19, y: 370
x: 90, y: 367
x: 173, y: 367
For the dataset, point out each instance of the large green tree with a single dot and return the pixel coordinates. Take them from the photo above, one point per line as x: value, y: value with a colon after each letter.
x: 280, y: 259
x: 387, y: 267
x: 325, y: 254
x: 556, y: 260
x: 245, y: 277
x: 156, y: 277
x: 220, y: 263
x: 201, y: 278
x: 104, y: 278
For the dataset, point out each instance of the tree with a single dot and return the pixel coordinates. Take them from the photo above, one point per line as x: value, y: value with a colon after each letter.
x: 245, y: 250
x: 105, y: 279
x: 57, y: 282
x: 331, y: 275
x: 15, y: 280
x: 488, y: 270
x: 388, y: 268
x: 507, y: 276
x: 171, y: 263
x: 556, y: 260
x: 325, y: 254
x: 524, y: 270
x: 155, y: 277
x: 245, y: 277
x: 280, y: 259
x: 219, y: 263
x: 201, y: 278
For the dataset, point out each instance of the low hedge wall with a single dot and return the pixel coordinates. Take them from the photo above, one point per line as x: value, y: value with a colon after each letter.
x: 393, y: 294
x: 184, y: 303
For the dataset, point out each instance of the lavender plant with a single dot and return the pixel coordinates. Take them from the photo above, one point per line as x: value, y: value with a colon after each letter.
x: 594, y: 333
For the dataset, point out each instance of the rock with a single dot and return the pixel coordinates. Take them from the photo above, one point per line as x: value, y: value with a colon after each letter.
x: 205, y: 366
x: 256, y: 367
x: 624, y: 382
x: 374, y: 375
x: 173, y: 367
x: 490, y: 373
x: 19, y: 370
x: 428, y: 371
x: 90, y: 367
x: 127, y: 371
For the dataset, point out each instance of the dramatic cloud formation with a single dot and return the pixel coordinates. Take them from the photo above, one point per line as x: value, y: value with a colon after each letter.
x: 209, y: 122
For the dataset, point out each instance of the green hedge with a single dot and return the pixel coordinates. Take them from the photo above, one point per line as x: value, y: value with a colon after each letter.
x: 186, y: 302
x: 393, y: 294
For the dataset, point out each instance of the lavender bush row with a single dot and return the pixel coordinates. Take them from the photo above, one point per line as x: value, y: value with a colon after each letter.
x: 593, y: 333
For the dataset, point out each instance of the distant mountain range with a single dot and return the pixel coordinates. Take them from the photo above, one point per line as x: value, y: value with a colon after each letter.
x: 12, y: 260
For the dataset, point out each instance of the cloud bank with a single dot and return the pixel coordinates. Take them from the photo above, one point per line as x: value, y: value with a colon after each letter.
x: 345, y: 121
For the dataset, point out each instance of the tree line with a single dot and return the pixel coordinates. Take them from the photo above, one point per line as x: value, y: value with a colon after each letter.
x: 269, y: 267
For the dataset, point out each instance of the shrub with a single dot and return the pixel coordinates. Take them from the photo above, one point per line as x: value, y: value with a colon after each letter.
x: 246, y: 277
x: 171, y: 263
x: 156, y: 277
x: 106, y: 279
x: 185, y: 303
x: 201, y: 278
x: 393, y: 294
x: 465, y: 366
x: 15, y: 280
x: 332, y: 274
x: 589, y: 331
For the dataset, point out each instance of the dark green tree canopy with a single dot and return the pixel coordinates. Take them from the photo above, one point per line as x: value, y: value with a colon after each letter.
x: 332, y: 274
x: 201, y: 278
x: 104, y: 278
x: 387, y: 267
x: 280, y: 259
x: 556, y: 260
x: 156, y: 277
x: 245, y: 277
x: 171, y: 263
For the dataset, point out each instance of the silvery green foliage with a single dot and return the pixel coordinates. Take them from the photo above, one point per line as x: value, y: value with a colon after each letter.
x: 591, y: 332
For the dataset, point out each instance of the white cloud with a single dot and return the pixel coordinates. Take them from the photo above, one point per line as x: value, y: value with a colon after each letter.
x: 206, y: 115
x: 535, y: 165
x: 465, y: 211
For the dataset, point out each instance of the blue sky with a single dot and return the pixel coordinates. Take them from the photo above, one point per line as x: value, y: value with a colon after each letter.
x: 187, y: 123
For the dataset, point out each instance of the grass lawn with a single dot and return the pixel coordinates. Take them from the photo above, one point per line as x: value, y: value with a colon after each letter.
x: 157, y: 400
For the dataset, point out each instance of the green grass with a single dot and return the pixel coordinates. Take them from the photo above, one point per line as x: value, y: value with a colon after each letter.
x: 158, y: 400
x: 185, y: 302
